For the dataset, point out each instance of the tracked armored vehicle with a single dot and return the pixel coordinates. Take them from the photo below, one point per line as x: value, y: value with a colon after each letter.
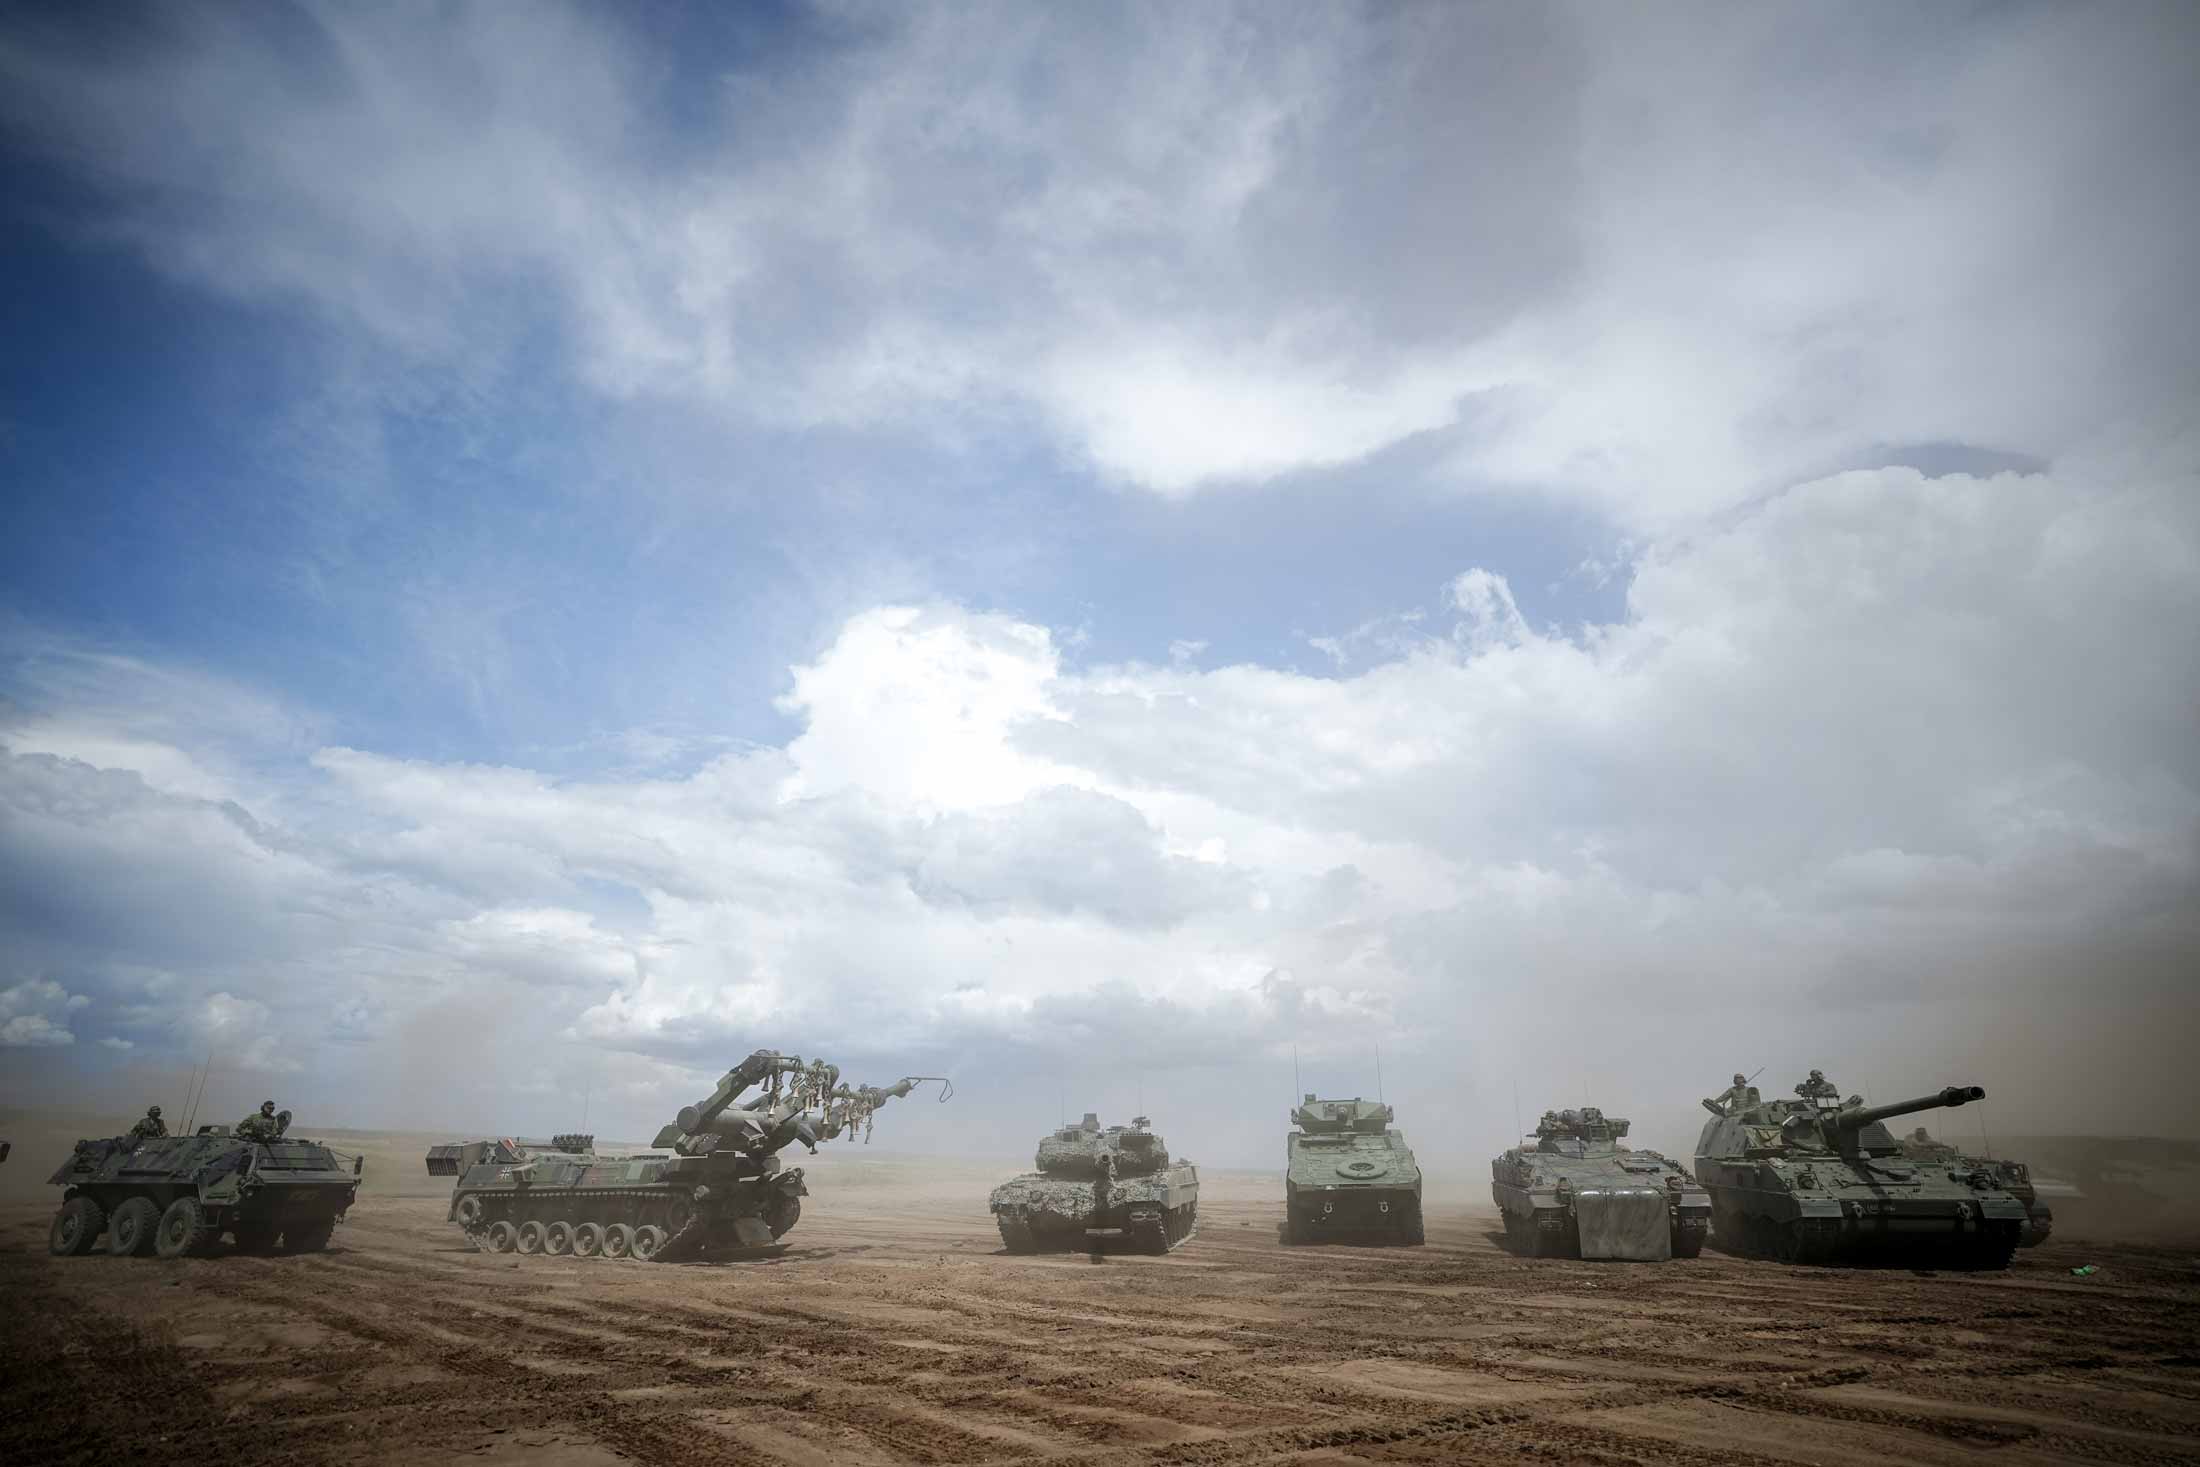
x: 178, y: 1195
x: 1815, y: 1178
x: 712, y: 1188
x: 1348, y: 1176
x: 2014, y: 1177
x: 1095, y: 1186
x: 1578, y: 1193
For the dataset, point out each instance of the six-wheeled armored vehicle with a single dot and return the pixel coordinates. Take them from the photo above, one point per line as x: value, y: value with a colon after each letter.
x: 1808, y: 1179
x: 1578, y: 1193
x: 177, y: 1195
x: 2014, y: 1177
x: 1348, y: 1176
x: 1094, y: 1186
x: 713, y: 1188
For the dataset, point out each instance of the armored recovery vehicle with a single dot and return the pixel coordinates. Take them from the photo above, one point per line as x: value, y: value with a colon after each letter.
x: 177, y: 1195
x: 1348, y: 1176
x: 1095, y: 1185
x: 1810, y: 1179
x: 714, y: 1188
x: 2014, y: 1176
x: 1578, y: 1193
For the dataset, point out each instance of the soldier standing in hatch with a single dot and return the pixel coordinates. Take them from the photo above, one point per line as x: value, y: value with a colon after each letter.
x: 1734, y: 1097
x: 260, y: 1125
x: 151, y: 1128
x: 1818, y: 1087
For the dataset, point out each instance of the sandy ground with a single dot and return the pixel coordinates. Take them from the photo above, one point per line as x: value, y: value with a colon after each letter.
x: 894, y: 1330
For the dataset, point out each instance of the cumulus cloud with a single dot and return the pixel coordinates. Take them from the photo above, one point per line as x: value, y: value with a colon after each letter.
x: 34, y: 1014
x: 1661, y: 262
x: 1856, y: 780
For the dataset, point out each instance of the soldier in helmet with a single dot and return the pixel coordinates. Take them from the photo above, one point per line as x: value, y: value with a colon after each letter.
x: 1818, y: 1087
x: 261, y: 1125
x: 151, y: 1127
x: 1732, y: 1099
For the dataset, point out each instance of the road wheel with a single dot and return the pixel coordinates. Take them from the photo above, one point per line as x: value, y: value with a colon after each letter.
x: 557, y: 1239
x: 470, y: 1210
x: 130, y: 1231
x: 502, y: 1235
x: 587, y: 1240
x: 618, y: 1241
x: 309, y: 1237
x: 183, y: 1230
x: 529, y: 1238
x: 647, y: 1240
x: 76, y: 1227
x: 784, y: 1212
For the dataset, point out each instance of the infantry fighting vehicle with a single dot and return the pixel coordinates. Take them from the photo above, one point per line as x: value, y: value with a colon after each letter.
x: 1095, y: 1185
x: 713, y: 1189
x: 177, y: 1195
x: 1348, y: 1175
x: 2014, y: 1177
x: 1808, y: 1179
x: 1578, y: 1193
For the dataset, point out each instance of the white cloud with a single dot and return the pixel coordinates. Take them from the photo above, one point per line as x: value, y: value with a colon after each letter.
x: 34, y: 1014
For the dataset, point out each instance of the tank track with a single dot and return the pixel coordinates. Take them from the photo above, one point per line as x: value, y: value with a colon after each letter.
x: 686, y: 1229
x: 1808, y: 1242
x: 1162, y: 1230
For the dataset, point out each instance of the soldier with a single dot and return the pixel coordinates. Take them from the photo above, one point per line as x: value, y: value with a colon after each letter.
x: 1818, y: 1087
x: 260, y: 1125
x: 1732, y: 1098
x: 151, y: 1128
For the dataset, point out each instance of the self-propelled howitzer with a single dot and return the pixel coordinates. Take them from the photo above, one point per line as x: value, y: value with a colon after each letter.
x: 713, y: 1187
x: 1809, y: 1178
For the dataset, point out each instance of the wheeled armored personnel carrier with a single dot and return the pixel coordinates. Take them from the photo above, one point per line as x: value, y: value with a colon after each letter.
x: 1808, y: 1179
x: 1348, y: 1176
x: 1094, y: 1186
x: 2014, y: 1176
x: 1578, y: 1193
x: 177, y: 1195
x: 713, y: 1188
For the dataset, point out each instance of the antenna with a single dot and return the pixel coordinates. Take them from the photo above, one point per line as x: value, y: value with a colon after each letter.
x: 197, y: 1093
x: 1378, y: 1074
x: 1518, y: 1130
x: 1296, y: 1092
x: 587, y: 1090
x: 1982, y: 1139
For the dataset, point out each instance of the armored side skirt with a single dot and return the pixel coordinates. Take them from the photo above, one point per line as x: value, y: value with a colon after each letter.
x: 1624, y: 1222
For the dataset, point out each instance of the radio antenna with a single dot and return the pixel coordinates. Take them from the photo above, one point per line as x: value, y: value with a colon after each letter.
x: 1378, y: 1074
x: 1296, y: 1092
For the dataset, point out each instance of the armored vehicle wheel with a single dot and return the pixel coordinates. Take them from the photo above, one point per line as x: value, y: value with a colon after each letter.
x: 647, y: 1240
x: 587, y: 1240
x: 783, y: 1214
x: 75, y: 1227
x: 470, y: 1210
x: 501, y: 1236
x: 529, y: 1237
x: 1016, y: 1235
x: 1410, y: 1229
x: 618, y: 1241
x: 557, y: 1239
x: 309, y: 1237
x: 130, y: 1231
x: 256, y: 1237
x: 183, y: 1230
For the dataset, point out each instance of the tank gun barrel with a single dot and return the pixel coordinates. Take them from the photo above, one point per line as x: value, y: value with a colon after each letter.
x: 1852, y: 1121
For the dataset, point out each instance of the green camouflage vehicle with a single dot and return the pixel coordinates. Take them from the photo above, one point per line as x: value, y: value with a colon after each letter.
x: 177, y: 1195
x: 1814, y: 1178
x: 2014, y: 1177
x: 1578, y: 1193
x: 715, y: 1189
x: 1094, y: 1186
x: 1348, y: 1176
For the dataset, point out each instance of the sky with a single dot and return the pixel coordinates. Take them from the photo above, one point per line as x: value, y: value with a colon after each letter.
x: 1141, y: 557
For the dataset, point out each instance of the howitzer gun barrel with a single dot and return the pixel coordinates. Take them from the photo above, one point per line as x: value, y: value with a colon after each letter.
x: 1852, y: 1121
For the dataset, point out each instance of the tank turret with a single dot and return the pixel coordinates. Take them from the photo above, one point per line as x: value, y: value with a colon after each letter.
x: 1807, y: 1178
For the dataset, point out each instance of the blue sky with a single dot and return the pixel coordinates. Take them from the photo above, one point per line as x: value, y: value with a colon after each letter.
x: 991, y: 536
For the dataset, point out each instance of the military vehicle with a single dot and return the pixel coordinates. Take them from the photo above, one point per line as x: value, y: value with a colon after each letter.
x: 2014, y: 1177
x: 1578, y: 1193
x: 1349, y: 1176
x: 1813, y: 1178
x: 177, y: 1195
x: 713, y: 1189
x: 1094, y: 1186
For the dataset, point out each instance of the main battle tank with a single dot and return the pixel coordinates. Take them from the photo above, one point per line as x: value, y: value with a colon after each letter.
x: 1578, y: 1193
x: 714, y: 1188
x: 177, y: 1195
x: 2014, y: 1177
x: 1807, y: 1179
x: 1348, y: 1175
x: 1093, y: 1185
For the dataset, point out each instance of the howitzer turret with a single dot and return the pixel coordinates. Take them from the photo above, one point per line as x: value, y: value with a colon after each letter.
x: 1809, y: 1177
x: 721, y: 1190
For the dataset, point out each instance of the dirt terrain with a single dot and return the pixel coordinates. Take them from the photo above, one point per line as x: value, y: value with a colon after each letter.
x: 894, y: 1330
